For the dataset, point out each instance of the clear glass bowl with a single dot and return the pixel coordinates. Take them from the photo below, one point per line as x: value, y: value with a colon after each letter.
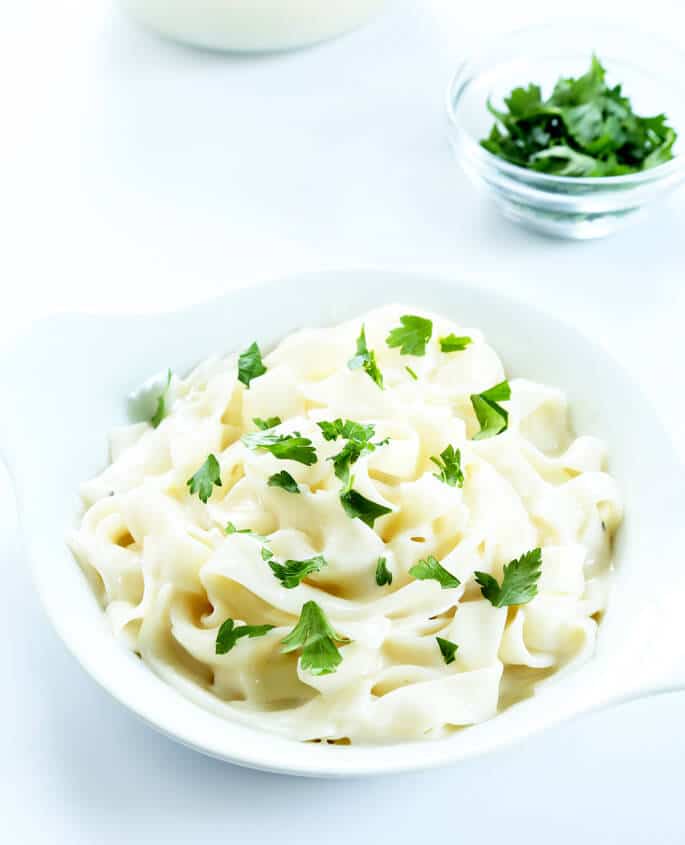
x: 653, y: 76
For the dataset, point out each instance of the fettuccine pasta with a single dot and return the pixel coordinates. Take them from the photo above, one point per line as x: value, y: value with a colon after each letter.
x: 171, y: 568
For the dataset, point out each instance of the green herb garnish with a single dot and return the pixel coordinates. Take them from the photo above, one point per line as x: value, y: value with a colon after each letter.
x: 366, y: 359
x: 287, y: 447
x: 452, y: 343
x: 285, y: 481
x: 269, y: 422
x: 448, y: 649
x: 250, y: 365
x: 493, y: 418
x: 161, y: 411
x: 291, y: 573
x: 205, y: 479
x: 357, y: 506
x: 228, y: 634
x: 449, y: 464
x: 585, y: 128
x: 316, y: 638
x: 383, y: 574
x: 411, y: 373
x: 431, y: 570
x: 347, y: 429
x: 231, y: 529
x: 359, y: 443
x: 412, y: 336
x: 519, y: 581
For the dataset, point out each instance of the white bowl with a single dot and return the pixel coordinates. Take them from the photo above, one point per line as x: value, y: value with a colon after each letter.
x: 252, y: 25
x: 65, y: 385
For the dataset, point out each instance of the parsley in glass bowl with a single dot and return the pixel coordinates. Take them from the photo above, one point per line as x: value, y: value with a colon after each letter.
x: 537, y: 188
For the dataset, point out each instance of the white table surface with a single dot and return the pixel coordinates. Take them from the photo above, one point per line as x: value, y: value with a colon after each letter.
x: 140, y: 175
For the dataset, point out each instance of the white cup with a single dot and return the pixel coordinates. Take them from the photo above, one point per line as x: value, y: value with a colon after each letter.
x: 252, y: 25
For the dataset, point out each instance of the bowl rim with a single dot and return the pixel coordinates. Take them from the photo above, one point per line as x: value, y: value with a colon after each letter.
x: 603, y: 680
x: 460, y: 81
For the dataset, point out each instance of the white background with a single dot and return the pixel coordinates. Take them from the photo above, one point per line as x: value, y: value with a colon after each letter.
x: 140, y: 175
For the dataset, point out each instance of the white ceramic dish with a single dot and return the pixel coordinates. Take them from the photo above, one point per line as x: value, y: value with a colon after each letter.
x: 65, y: 385
x: 252, y: 25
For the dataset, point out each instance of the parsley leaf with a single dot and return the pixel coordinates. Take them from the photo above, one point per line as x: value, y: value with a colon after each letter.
x: 448, y: 649
x: 228, y: 634
x: 269, y: 422
x: 161, y: 411
x: 317, y: 639
x: 231, y: 529
x: 359, y: 507
x: 331, y: 430
x: 411, y: 373
x: 205, y: 478
x: 284, y: 480
x: 290, y: 447
x: 291, y: 573
x: 267, y: 554
x: 519, y: 581
x: 449, y: 464
x: 383, y: 574
x: 359, y: 443
x: 250, y: 365
x: 431, y: 570
x: 342, y: 462
x: 492, y: 417
x: 347, y: 429
x: 412, y: 336
x: 452, y: 343
x: 585, y: 128
x: 366, y: 360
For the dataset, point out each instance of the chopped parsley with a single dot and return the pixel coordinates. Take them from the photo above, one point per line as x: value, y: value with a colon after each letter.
x: 411, y: 373
x: 431, y: 570
x: 291, y: 573
x: 347, y: 429
x: 357, y: 506
x: 585, y: 128
x: 350, y: 453
x: 290, y: 447
x: 452, y: 343
x: 449, y: 464
x: 383, y: 574
x: 366, y: 359
x: 285, y: 481
x: 269, y: 422
x: 492, y: 417
x: 161, y: 411
x: 231, y: 529
x: 359, y: 443
x: 205, y: 479
x: 448, y: 649
x: 412, y: 336
x: 250, y: 365
x: 519, y: 581
x: 229, y: 634
x: 316, y: 638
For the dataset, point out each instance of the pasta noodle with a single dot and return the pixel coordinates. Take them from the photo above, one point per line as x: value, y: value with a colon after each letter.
x: 168, y: 574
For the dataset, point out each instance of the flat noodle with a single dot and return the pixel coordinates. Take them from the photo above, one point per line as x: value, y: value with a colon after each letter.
x: 169, y: 575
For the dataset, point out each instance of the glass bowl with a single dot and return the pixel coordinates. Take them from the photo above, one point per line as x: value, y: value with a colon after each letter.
x: 652, y: 73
